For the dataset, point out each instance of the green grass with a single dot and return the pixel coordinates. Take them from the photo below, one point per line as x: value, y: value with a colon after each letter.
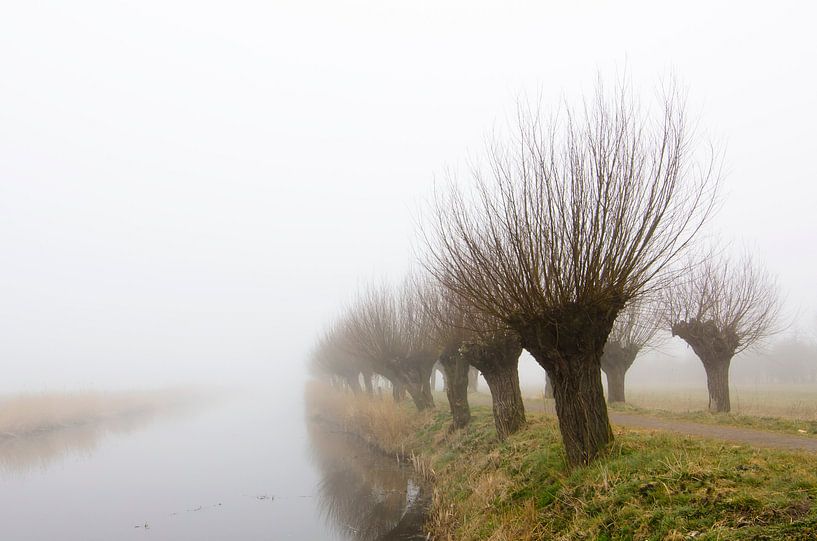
x: 648, y: 486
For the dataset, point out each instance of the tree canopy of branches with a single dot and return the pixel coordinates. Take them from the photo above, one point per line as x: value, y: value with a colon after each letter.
x: 390, y: 330
x: 634, y: 329
x: 569, y: 220
x: 720, y: 308
x: 330, y: 357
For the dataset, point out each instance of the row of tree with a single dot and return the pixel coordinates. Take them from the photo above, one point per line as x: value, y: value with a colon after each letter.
x: 573, y: 242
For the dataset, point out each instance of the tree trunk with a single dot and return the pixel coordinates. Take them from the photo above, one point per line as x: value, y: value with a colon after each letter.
x: 615, y: 385
x: 568, y: 344
x: 456, y: 374
x: 427, y: 395
x: 717, y: 382
x: 420, y: 396
x: 509, y: 411
x: 433, y: 382
x: 398, y: 392
x: 715, y: 347
x: 473, y: 379
x: 367, y: 382
x: 354, y: 383
x: 416, y: 376
x: 615, y: 361
x: 497, y: 358
x: 581, y: 410
x: 548, y: 386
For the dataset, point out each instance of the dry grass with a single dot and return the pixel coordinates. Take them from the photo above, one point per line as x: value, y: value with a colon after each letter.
x: 794, y: 402
x: 785, y: 401
x: 37, y: 412
x: 377, y: 419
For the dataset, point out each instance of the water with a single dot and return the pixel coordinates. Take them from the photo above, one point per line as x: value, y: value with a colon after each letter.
x: 240, y: 469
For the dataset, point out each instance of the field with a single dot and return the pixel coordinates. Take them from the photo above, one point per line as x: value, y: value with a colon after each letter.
x: 796, y: 402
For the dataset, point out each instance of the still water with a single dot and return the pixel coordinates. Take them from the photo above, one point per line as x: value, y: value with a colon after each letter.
x: 237, y: 469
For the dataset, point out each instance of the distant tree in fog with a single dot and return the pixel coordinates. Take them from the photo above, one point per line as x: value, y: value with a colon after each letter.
x: 330, y: 358
x: 449, y: 332
x: 569, y: 221
x: 634, y: 329
x: 720, y: 308
x: 390, y: 331
x: 467, y: 342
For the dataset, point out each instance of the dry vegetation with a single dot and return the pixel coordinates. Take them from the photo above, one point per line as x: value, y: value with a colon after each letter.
x: 22, y: 414
x: 785, y: 402
x: 377, y: 419
x: 648, y: 486
x: 796, y: 402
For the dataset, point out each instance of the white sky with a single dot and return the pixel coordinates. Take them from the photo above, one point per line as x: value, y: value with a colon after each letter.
x: 189, y: 190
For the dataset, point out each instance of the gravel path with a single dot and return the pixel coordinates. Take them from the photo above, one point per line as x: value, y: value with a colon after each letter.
x: 749, y: 436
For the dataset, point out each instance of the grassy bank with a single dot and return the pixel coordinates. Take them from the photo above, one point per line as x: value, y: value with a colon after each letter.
x: 649, y: 486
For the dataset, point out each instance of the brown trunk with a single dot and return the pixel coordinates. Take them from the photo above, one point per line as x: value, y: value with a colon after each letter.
x: 427, y: 395
x: 473, y: 380
x: 497, y: 358
x: 398, y: 392
x: 582, y: 412
x: 417, y: 379
x: 354, y: 383
x: 615, y: 361
x: 717, y: 382
x: 568, y: 344
x: 715, y: 347
x: 433, y: 381
x: 548, y: 386
x: 420, y: 396
x: 456, y: 374
x: 615, y: 385
x: 509, y: 411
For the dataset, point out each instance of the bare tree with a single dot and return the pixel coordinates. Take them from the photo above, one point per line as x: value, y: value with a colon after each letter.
x: 720, y: 308
x: 330, y: 358
x: 416, y: 328
x: 635, y: 328
x: 468, y: 342
x: 449, y: 333
x: 571, y: 219
x: 389, y: 331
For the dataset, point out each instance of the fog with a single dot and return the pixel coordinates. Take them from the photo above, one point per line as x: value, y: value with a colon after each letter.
x: 189, y: 190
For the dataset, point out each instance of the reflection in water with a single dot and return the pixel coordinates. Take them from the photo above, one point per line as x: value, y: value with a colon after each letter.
x: 38, y: 449
x: 363, y: 495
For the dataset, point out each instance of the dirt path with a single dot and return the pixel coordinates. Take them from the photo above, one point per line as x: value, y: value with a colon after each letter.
x: 749, y: 436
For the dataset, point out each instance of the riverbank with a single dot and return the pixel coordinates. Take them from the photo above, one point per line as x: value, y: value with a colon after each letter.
x: 33, y: 413
x: 651, y: 485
